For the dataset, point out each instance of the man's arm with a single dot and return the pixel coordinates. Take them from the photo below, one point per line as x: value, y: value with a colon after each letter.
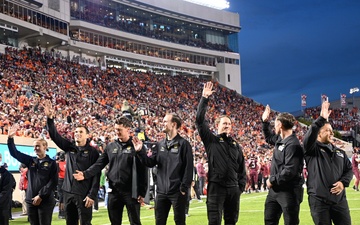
x: 61, y: 142
x: 142, y: 177
x: 242, y: 171
x: 188, y: 160
x: 95, y: 184
x: 201, y: 125
x: 311, y: 135
x: 270, y: 136
x: 348, y: 173
x: 96, y: 168
x: 141, y: 153
x: 21, y: 157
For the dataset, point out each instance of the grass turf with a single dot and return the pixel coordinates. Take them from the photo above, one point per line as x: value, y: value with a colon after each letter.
x: 251, y: 212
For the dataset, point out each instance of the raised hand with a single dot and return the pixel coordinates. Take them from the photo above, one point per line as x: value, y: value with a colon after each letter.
x: 137, y: 144
x: 266, y: 114
x: 48, y: 109
x: 207, y: 91
x: 12, y: 130
x: 325, y: 112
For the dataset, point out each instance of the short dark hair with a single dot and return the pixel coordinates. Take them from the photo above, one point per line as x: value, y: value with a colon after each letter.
x: 326, y: 122
x: 175, y: 119
x: 123, y: 121
x: 83, y: 126
x: 287, y: 120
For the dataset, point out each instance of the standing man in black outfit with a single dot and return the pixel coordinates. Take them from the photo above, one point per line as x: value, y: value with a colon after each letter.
x: 6, y: 185
x: 42, y: 180
x: 329, y: 172
x: 127, y: 176
x: 174, y: 160
x: 78, y: 195
x: 227, y: 174
x: 285, y: 181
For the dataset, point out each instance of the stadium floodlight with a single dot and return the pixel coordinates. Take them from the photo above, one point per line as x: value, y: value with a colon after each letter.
x: 354, y: 90
x: 216, y: 4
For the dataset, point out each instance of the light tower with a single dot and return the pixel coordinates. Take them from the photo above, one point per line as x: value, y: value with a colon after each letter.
x: 352, y: 91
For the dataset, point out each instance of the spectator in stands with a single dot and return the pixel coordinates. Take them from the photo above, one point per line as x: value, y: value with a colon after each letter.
x: 355, y: 160
x: 329, y: 172
x: 42, y: 179
x: 61, y: 164
x: 78, y: 196
x: 227, y: 173
x: 201, y: 174
x: 195, y: 183
x: 285, y: 180
x: 23, y: 184
x: 254, y: 169
x: 173, y: 156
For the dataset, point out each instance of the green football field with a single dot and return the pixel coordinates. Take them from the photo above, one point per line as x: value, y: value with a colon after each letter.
x: 251, y: 212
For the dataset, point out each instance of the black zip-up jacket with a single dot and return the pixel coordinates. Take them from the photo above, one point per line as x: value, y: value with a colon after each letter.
x: 77, y: 158
x: 326, y: 165
x: 120, y: 156
x: 174, y: 162
x: 287, y: 161
x: 225, y: 157
x: 42, y: 174
x: 6, y: 185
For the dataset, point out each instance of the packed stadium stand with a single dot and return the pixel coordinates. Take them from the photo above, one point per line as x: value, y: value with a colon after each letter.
x: 175, y: 37
x: 89, y: 56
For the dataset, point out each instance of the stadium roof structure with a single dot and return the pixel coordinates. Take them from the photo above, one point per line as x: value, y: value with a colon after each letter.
x: 216, y: 4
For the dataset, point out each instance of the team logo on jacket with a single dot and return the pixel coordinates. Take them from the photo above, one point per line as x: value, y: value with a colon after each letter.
x: 86, y: 152
x: 115, y: 150
x: 174, y: 150
x: 162, y: 149
x: 46, y: 164
x: 340, y: 154
x: 127, y: 150
x: 221, y: 140
x: 33, y: 164
x: 281, y: 147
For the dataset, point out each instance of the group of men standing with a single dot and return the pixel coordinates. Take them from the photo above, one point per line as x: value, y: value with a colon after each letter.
x: 329, y: 172
x: 328, y: 167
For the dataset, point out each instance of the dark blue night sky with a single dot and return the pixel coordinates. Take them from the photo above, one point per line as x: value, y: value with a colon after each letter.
x: 289, y: 48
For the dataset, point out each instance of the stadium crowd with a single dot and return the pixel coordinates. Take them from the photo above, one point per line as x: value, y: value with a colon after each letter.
x: 94, y: 97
